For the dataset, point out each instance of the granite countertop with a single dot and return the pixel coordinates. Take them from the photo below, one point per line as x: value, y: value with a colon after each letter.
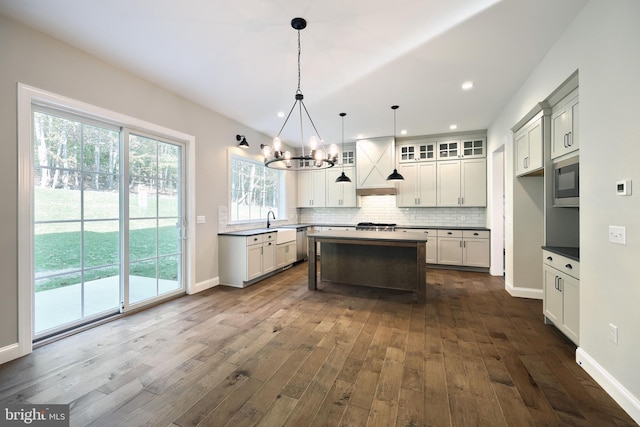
x: 255, y: 231
x: 569, y: 252
x: 408, y: 227
x: 442, y: 227
x: 251, y: 232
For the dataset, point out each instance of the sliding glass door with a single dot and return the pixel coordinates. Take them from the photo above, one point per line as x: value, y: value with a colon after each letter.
x: 102, y: 195
x: 155, y: 217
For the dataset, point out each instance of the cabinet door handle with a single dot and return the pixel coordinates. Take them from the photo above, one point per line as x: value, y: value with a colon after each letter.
x: 569, y: 266
x: 570, y: 139
x: 460, y: 243
x: 462, y: 200
x: 560, y: 284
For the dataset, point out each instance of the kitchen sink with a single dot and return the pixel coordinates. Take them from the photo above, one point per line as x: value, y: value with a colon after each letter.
x: 285, y: 235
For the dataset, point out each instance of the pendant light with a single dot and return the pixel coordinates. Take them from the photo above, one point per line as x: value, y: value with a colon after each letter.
x: 316, y: 156
x: 395, y: 176
x: 343, y: 177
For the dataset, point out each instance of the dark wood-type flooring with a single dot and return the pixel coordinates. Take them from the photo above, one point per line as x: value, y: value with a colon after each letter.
x: 276, y: 354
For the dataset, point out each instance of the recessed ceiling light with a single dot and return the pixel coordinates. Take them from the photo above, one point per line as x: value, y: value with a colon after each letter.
x: 281, y: 114
x: 467, y: 85
x: 453, y: 127
x: 403, y: 132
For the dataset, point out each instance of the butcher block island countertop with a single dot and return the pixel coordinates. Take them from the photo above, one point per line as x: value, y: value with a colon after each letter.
x: 382, y: 259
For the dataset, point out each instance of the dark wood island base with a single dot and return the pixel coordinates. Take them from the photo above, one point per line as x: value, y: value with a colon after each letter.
x: 382, y: 259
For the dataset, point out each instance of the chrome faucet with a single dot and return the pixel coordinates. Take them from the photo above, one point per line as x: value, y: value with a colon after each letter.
x: 274, y: 217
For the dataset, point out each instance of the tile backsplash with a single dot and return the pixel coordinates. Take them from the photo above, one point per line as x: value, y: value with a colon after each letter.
x: 383, y: 209
x: 372, y: 209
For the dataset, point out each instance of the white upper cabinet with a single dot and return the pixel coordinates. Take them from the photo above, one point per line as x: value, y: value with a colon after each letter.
x: 341, y: 194
x: 419, y: 186
x: 448, y: 150
x: 462, y: 183
x: 312, y: 189
x: 464, y: 148
x: 473, y: 148
x: 374, y: 162
x: 530, y: 147
x: 565, y: 125
x: 417, y: 151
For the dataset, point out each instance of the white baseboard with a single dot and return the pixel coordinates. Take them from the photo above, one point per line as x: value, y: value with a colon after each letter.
x: 617, y: 391
x: 523, y: 292
x: 206, y: 284
x: 10, y: 352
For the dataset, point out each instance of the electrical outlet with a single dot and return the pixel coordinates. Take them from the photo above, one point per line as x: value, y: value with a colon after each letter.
x: 613, y: 333
x: 618, y: 234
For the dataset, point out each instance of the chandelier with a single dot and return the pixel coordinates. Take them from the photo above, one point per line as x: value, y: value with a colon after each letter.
x: 315, y: 156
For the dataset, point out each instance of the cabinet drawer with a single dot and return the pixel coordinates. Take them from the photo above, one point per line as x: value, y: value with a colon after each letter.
x: 449, y: 233
x: 256, y: 239
x: 475, y: 234
x: 428, y: 232
x: 270, y: 237
x: 562, y: 263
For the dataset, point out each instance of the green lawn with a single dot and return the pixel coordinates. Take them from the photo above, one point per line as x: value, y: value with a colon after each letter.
x: 59, y: 246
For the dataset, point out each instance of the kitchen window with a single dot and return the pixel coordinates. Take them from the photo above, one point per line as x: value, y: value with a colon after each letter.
x: 255, y: 190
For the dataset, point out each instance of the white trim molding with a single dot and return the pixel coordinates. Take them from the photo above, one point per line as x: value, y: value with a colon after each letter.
x: 27, y: 96
x: 523, y: 292
x: 617, y: 391
x: 204, y: 285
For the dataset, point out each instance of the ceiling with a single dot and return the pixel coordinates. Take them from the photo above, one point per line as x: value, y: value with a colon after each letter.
x: 239, y: 57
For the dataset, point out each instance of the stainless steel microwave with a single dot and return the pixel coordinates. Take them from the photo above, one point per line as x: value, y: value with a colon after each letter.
x: 566, y: 182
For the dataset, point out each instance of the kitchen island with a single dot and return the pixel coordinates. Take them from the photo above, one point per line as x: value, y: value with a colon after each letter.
x: 382, y: 259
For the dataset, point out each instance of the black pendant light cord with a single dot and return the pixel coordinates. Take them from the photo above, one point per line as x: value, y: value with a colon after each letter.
x: 395, y: 176
x: 300, y: 98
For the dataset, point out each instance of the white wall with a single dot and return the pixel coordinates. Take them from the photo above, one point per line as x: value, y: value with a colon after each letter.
x: 602, y: 43
x: 29, y: 57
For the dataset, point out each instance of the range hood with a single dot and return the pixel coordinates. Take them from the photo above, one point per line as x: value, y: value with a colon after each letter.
x: 386, y: 191
x: 374, y: 162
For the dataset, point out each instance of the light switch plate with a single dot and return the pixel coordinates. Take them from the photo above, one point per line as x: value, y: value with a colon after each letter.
x: 623, y: 188
x: 618, y: 234
x: 200, y: 219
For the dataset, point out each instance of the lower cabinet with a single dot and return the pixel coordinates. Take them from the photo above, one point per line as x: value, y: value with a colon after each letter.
x: 432, y: 243
x: 243, y: 259
x: 562, y: 294
x: 285, y: 254
x: 469, y: 248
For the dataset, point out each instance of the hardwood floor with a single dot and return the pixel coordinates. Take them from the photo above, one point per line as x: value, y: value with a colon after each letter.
x: 276, y: 354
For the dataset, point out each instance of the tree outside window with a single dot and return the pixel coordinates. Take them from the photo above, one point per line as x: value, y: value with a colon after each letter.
x: 255, y: 190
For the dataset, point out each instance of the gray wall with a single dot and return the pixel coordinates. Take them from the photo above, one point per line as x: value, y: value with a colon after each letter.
x: 29, y: 57
x: 602, y: 43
